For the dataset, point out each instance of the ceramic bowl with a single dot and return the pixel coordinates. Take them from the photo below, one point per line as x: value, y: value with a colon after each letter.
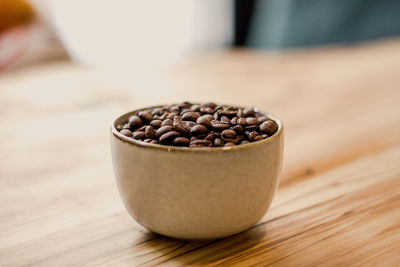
x: 196, y: 193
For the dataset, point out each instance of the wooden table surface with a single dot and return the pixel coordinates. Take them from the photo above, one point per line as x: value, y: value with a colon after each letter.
x: 338, y: 201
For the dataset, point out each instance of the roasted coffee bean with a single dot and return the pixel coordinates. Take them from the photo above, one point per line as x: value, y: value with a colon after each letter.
x: 198, y: 129
x: 138, y: 135
x: 156, y: 123
x: 225, y: 119
x: 204, y: 120
x: 229, y: 144
x: 228, y: 134
x: 126, y: 132
x: 238, y: 129
x: 268, y: 127
x: 168, y: 137
x: 180, y: 126
x: 135, y: 122
x: 252, y: 121
x: 251, y: 127
x: 157, y: 111
x: 163, y: 129
x: 196, y: 125
x: 220, y: 125
x: 218, y: 142
x: 249, y: 112
x: 209, y: 137
x: 146, y: 116
x: 242, y: 122
x: 190, y: 116
x: 206, y: 110
x: 167, y: 122
x: 181, y: 141
x: 252, y: 136
x: 200, y: 143
x: 149, y: 132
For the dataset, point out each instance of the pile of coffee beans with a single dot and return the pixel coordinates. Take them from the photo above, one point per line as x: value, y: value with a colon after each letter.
x: 192, y: 125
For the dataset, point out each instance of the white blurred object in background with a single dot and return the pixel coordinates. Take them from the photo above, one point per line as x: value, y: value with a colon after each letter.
x: 123, y: 34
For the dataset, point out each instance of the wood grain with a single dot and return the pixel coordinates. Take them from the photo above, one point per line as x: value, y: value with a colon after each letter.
x: 338, y: 202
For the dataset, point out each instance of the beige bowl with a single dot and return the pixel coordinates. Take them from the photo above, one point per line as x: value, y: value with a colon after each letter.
x: 196, y: 193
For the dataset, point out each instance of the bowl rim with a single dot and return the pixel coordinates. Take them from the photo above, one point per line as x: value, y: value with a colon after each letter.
x: 114, y: 132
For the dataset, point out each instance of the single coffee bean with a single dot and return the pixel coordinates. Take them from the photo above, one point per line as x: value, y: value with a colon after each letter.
x: 219, y: 125
x: 252, y: 121
x: 181, y: 141
x: 240, y: 113
x: 149, y: 132
x: 180, y: 126
x: 218, y: 142
x: 229, y: 108
x: 200, y: 143
x: 198, y: 129
x: 163, y: 130
x: 135, y: 122
x: 244, y: 142
x: 138, y: 135
x: 167, y: 122
x: 172, y: 115
x: 209, y: 105
x: 208, y: 116
x: 195, y: 108
x: 229, y: 144
x: 186, y: 110
x: 206, y: 110
x: 126, y: 126
x: 252, y: 136
x: 163, y: 116
x: 146, y: 116
x: 190, y: 116
x: 227, y: 113
x: 193, y: 138
x: 225, y: 119
x: 126, y: 132
x: 141, y: 129
x: 242, y: 122
x: 154, y: 142
x: 258, y: 138
x: 238, y: 129
x: 234, y: 120
x: 209, y: 137
x: 168, y: 137
x: 251, y: 128
x: 249, y: 112
x: 147, y: 140
x: 204, y: 120
x: 228, y: 134
x: 184, y: 105
x: 261, y: 119
x: 190, y: 124
x: 265, y: 136
x: 156, y: 123
x: 269, y: 127
x: 157, y: 111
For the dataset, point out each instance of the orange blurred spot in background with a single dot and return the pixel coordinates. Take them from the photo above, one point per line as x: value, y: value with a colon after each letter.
x: 14, y: 13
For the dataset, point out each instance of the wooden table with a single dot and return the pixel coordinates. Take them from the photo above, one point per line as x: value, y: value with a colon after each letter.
x: 339, y: 197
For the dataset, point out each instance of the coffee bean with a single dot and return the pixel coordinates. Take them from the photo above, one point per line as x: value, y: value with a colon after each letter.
x: 135, y: 122
x: 209, y: 105
x: 249, y: 112
x: 242, y: 122
x: 154, y: 142
x: 168, y: 137
x: 240, y: 113
x: 244, y: 142
x: 200, y: 143
x: 181, y: 141
x: 225, y: 119
x: 141, y: 129
x: 258, y: 138
x: 216, y: 134
x: 193, y: 138
x: 126, y: 126
x: 252, y: 136
x: 156, y: 123
x: 126, y: 132
x: 229, y: 144
x: 265, y: 136
x: 218, y: 142
x: 229, y: 108
x: 252, y: 121
x: 227, y: 113
x: 234, y: 120
x: 172, y: 115
x: 147, y: 140
x: 191, y: 116
x: 195, y: 108
x: 190, y: 124
x: 119, y: 127
x: 269, y: 127
x: 180, y: 126
x: 251, y: 127
x: 228, y: 134
x: 206, y: 110
x: 167, y: 122
x: 238, y: 129
x: 219, y: 125
x: 209, y: 137
x: 138, y: 135
x: 157, y: 111
x: 198, y: 129
x: 186, y: 110
x: 185, y: 105
x: 163, y: 129
x: 204, y: 120
x: 146, y: 116
x: 149, y: 132
x: 261, y: 119
x: 163, y: 116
